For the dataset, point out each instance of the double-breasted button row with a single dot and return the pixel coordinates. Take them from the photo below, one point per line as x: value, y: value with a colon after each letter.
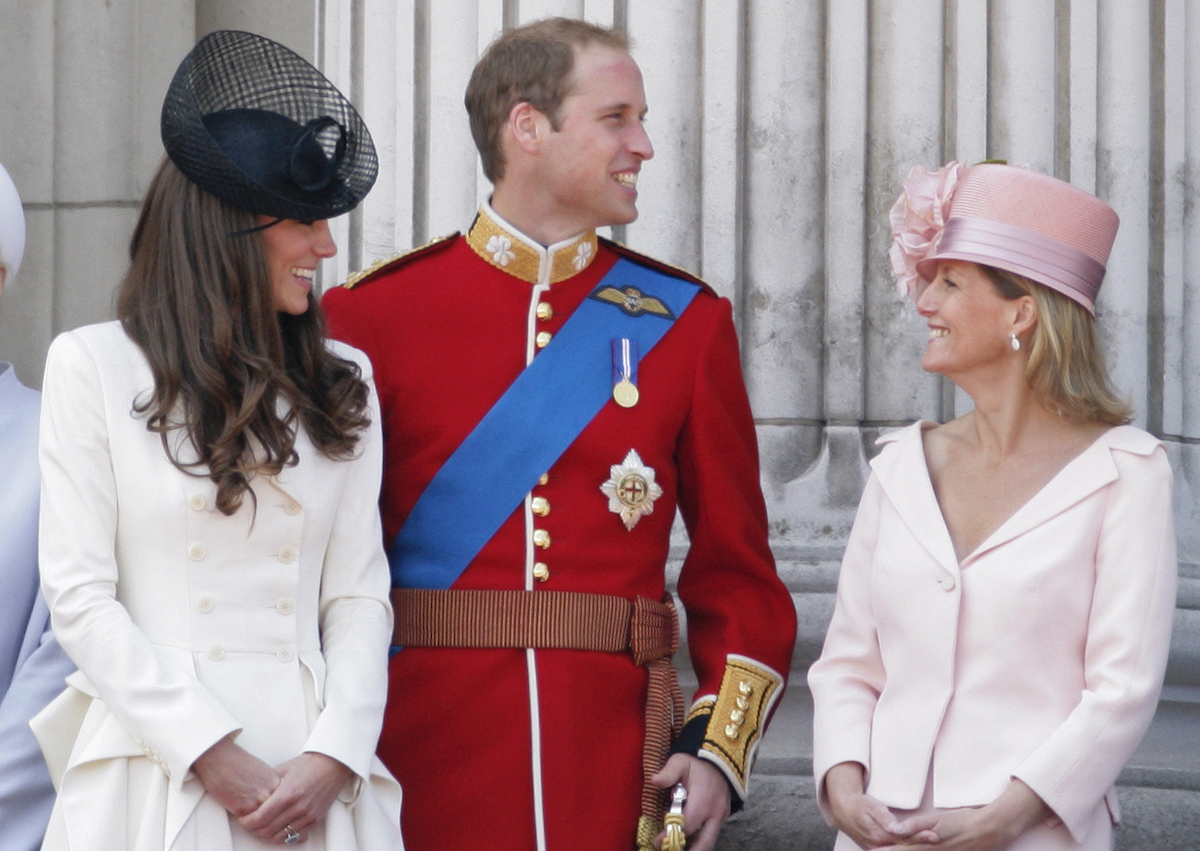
x: 286, y: 554
x: 284, y: 605
x: 283, y: 654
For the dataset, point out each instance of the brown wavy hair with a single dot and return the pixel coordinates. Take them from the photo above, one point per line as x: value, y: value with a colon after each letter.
x: 235, y: 375
x: 1066, y: 367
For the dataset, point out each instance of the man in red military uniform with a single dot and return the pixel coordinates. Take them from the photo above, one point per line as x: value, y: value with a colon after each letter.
x: 549, y: 400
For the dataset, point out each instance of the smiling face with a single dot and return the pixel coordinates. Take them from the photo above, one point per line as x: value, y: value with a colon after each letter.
x: 589, y: 165
x: 293, y: 251
x: 970, y: 322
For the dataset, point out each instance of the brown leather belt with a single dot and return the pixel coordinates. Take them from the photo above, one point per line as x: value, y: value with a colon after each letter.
x: 649, y: 631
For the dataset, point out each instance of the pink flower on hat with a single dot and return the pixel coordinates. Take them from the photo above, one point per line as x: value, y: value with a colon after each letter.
x: 917, y: 219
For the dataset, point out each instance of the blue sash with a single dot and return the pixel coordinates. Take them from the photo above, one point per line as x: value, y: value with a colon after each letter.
x: 527, y: 430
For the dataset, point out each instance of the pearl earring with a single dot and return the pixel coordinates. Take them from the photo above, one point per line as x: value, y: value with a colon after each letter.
x: 1014, y: 342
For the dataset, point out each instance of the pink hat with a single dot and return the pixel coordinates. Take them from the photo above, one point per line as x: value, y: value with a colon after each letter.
x: 1010, y: 218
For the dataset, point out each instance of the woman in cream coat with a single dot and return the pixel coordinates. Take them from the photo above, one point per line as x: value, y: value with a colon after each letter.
x: 1004, y: 608
x: 210, y: 543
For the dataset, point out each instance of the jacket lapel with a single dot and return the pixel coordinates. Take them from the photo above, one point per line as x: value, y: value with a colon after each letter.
x: 904, y: 477
x: 1083, y: 475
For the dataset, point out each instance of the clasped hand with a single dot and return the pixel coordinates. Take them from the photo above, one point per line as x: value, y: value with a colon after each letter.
x: 269, y: 801
x: 873, y: 826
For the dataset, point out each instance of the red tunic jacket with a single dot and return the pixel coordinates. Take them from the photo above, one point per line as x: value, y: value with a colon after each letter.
x: 521, y: 749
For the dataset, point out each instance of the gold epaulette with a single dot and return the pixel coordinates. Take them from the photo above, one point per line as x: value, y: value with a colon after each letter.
x: 645, y: 260
x: 386, y: 264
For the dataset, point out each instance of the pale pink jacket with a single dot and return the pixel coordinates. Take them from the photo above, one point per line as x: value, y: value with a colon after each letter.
x: 1040, y: 656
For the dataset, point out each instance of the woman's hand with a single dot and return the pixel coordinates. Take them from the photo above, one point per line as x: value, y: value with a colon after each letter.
x: 864, y: 819
x: 238, y: 780
x: 307, y: 788
x: 988, y: 828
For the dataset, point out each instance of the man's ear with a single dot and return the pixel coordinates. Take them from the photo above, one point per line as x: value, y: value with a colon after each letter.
x: 528, y: 127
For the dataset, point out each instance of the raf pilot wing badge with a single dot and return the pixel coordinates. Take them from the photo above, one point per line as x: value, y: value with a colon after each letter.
x: 633, y: 301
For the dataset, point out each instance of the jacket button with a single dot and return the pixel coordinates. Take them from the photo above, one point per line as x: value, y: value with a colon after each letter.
x: 291, y: 507
x: 543, y: 339
x: 541, y: 538
x: 196, y: 552
x: 544, y: 479
x: 285, y: 654
x: 544, y: 311
x: 541, y: 572
x: 287, y: 554
x: 216, y: 653
x: 197, y: 502
x: 204, y: 605
x: 285, y: 606
x: 540, y: 506
x: 946, y: 581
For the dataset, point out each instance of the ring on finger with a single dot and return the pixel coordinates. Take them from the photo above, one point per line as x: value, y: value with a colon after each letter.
x: 290, y: 835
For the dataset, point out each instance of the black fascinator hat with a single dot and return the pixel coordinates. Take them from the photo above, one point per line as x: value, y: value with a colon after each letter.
x: 258, y: 126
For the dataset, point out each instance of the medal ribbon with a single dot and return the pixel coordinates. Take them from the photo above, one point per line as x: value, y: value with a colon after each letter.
x: 541, y: 413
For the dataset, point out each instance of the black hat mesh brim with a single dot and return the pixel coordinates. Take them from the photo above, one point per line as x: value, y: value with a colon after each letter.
x: 229, y: 70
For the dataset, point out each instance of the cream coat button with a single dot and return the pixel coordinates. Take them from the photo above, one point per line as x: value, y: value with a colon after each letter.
x: 543, y: 339
x: 287, y: 554
x: 544, y: 311
x: 196, y: 552
x: 197, y: 502
x: 291, y: 507
x: 947, y: 582
x: 216, y: 653
x: 540, y: 506
x: 541, y: 572
x: 204, y: 605
x: 285, y: 654
x: 285, y: 606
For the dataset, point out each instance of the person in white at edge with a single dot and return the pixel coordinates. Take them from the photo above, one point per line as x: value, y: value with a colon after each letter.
x: 1004, y: 608
x: 210, y: 541
x: 32, y: 664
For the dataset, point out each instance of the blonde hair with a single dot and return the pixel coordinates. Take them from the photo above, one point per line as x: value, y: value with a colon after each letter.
x: 1066, y: 367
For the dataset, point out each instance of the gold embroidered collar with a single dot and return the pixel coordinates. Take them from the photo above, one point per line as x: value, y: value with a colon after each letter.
x: 506, y: 248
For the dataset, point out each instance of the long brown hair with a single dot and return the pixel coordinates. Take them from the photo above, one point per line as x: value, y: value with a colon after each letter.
x: 235, y: 375
x: 1066, y: 367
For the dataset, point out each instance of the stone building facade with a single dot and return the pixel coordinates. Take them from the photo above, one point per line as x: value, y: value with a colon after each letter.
x: 782, y: 129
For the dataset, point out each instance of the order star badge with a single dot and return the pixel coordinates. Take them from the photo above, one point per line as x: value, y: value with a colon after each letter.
x: 631, y: 489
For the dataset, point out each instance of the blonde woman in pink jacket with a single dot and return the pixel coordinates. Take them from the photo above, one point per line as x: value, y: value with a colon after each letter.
x: 1004, y: 608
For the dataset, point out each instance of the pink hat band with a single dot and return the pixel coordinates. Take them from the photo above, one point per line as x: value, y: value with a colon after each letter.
x: 1041, y: 258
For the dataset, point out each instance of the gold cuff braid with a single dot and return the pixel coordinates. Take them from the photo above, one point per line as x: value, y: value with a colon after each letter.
x: 748, y: 691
